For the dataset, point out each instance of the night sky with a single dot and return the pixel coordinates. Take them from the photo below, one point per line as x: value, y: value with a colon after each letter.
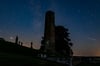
x: 25, y: 18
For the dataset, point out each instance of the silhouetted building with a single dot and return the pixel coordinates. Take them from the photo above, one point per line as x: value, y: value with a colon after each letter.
x: 49, y: 33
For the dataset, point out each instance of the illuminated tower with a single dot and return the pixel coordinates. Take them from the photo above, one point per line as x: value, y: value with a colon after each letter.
x: 49, y: 33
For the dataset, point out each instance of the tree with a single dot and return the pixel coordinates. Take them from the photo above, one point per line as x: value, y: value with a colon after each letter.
x: 31, y: 45
x: 62, y: 42
x: 16, y: 40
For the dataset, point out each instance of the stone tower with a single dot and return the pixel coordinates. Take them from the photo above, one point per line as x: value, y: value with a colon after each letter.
x: 49, y: 32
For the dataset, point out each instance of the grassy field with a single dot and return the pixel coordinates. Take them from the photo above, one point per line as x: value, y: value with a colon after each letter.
x: 12, y: 54
x: 7, y: 59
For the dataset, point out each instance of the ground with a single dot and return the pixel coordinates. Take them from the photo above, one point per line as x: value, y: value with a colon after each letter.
x: 8, y: 59
x: 88, y: 64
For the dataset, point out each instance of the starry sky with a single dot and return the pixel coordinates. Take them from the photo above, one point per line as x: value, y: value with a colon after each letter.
x: 25, y: 18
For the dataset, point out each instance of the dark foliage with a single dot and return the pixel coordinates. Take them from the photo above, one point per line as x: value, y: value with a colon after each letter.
x: 63, y: 43
x: 16, y: 40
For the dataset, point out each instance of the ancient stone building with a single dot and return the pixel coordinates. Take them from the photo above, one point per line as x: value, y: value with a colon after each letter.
x: 49, y: 32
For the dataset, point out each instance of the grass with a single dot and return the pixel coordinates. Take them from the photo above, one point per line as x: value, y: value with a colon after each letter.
x: 12, y: 54
x: 8, y: 59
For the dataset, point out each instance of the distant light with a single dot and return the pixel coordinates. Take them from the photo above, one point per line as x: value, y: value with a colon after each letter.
x: 11, y: 38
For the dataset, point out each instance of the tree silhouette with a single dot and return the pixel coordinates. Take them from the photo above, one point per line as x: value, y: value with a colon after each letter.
x: 21, y: 43
x: 62, y: 42
x: 31, y: 45
x: 16, y: 40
